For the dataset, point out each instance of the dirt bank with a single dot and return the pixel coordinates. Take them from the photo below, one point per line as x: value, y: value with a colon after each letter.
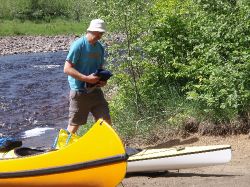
x: 234, y: 174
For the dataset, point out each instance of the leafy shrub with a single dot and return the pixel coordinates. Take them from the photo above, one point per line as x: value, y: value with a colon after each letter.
x: 205, y: 50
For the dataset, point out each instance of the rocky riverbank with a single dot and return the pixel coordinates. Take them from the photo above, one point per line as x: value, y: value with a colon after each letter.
x: 31, y: 44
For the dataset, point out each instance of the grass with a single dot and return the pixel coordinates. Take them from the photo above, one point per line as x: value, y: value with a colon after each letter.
x: 84, y: 128
x: 55, y: 27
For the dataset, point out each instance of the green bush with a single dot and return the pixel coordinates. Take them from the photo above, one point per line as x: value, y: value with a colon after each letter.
x: 204, y: 49
x: 44, y: 10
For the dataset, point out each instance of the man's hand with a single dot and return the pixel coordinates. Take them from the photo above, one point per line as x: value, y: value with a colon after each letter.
x: 101, y: 83
x: 92, y: 79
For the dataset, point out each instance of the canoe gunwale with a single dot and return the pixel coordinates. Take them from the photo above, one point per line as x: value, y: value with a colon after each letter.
x: 177, y: 154
x: 66, y: 168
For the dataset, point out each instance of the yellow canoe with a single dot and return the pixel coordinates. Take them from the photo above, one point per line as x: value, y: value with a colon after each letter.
x: 96, y: 159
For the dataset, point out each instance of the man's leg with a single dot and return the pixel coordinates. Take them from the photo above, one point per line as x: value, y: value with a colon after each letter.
x: 72, y: 128
x: 108, y: 120
x: 78, y: 111
x: 101, y: 109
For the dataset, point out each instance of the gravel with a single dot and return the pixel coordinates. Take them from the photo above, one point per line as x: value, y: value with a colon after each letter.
x: 10, y: 45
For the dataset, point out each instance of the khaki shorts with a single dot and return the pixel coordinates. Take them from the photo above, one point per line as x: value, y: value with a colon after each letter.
x: 81, y: 104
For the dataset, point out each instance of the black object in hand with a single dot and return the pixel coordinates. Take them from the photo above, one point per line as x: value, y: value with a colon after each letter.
x: 103, y: 74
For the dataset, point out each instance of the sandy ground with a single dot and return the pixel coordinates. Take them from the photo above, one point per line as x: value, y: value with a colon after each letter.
x: 235, y: 173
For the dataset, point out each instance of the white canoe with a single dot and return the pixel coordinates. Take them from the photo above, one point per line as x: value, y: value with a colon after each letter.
x: 163, y: 159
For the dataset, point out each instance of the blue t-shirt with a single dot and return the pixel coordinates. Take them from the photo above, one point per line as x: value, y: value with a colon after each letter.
x: 86, y: 58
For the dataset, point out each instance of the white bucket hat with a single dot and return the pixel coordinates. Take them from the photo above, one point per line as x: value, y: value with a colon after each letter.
x: 97, y: 25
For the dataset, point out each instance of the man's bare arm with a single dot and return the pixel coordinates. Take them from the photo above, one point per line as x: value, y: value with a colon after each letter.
x: 70, y: 70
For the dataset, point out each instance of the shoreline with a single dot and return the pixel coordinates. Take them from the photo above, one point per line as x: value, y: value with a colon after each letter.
x: 11, y: 45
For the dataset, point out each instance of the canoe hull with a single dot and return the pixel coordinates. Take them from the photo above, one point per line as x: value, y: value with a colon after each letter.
x: 96, y: 159
x: 170, y: 159
x: 83, y: 177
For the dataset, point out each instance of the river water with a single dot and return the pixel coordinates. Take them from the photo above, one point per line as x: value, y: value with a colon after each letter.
x: 33, y: 92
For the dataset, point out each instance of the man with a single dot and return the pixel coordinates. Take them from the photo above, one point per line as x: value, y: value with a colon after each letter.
x: 85, y: 56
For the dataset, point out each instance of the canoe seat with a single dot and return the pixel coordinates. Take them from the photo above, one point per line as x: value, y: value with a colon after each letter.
x: 8, y: 143
x: 26, y: 151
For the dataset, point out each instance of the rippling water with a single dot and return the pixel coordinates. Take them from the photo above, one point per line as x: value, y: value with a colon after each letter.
x: 33, y: 92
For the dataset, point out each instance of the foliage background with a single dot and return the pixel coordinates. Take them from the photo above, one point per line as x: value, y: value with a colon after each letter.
x: 178, y: 64
x: 184, y: 60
